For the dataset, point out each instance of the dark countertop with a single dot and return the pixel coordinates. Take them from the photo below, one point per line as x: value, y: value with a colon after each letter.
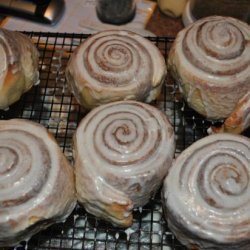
x: 162, y: 25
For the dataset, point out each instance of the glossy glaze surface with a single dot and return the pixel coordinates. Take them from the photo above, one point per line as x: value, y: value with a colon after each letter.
x: 210, y: 60
x: 115, y: 65
x: 18, y: 67
x: 122, y: 152
x: 206, y: 193
x: 36, y: 181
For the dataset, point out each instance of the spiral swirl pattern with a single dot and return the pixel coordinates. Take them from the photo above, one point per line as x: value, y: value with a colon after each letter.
x: 211, y: 62
x: 32, y: 168
x: 207, y: 191
x: 218, y: 46
x: 18, y: 167
x: 117, y: 61
x: 119, y: 64
x: 130, y: 147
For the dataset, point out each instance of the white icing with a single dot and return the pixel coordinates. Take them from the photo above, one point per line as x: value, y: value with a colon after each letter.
x: 117, y: 235
x: 129, y: 231
x: 219, y: 69
x: 122, y: 64
x: 19, y: 62
x: 207, y: 191
x: 30, y: 178
x: 123, y: 150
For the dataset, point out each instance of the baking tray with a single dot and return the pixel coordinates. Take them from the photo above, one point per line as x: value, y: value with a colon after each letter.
x: 50, y: 103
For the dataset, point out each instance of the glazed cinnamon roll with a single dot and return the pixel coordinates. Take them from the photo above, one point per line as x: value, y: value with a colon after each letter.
x: 206, y: 194
x: 18, y: 67
x: 115, y: 65
x: 36, y: 181
x: 122, y: 152
x: 210, y: 60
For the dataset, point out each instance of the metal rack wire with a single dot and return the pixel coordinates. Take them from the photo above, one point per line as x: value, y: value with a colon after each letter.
x: 51, y: 104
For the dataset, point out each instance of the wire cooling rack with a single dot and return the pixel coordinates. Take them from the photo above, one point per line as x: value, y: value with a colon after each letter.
x: 51, y: 104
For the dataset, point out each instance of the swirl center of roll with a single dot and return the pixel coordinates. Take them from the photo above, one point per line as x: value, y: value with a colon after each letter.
x: 123, y: 134
x: 8, y: 160
x: 24, y: 167
x: 228, y: 179
x: 223, y: 40
x: 221, y: 35
x: 217, y: 48
x: 124, y: 138
x: 117, y: 53
x: 113, y: 57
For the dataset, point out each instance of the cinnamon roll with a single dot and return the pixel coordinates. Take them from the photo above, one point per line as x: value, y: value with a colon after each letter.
x: 206, y: 194
x: 210, y: 60
x: 122, y: 152
x: 36, y: 181
x: 115, y: 65
x: 18, y: 67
